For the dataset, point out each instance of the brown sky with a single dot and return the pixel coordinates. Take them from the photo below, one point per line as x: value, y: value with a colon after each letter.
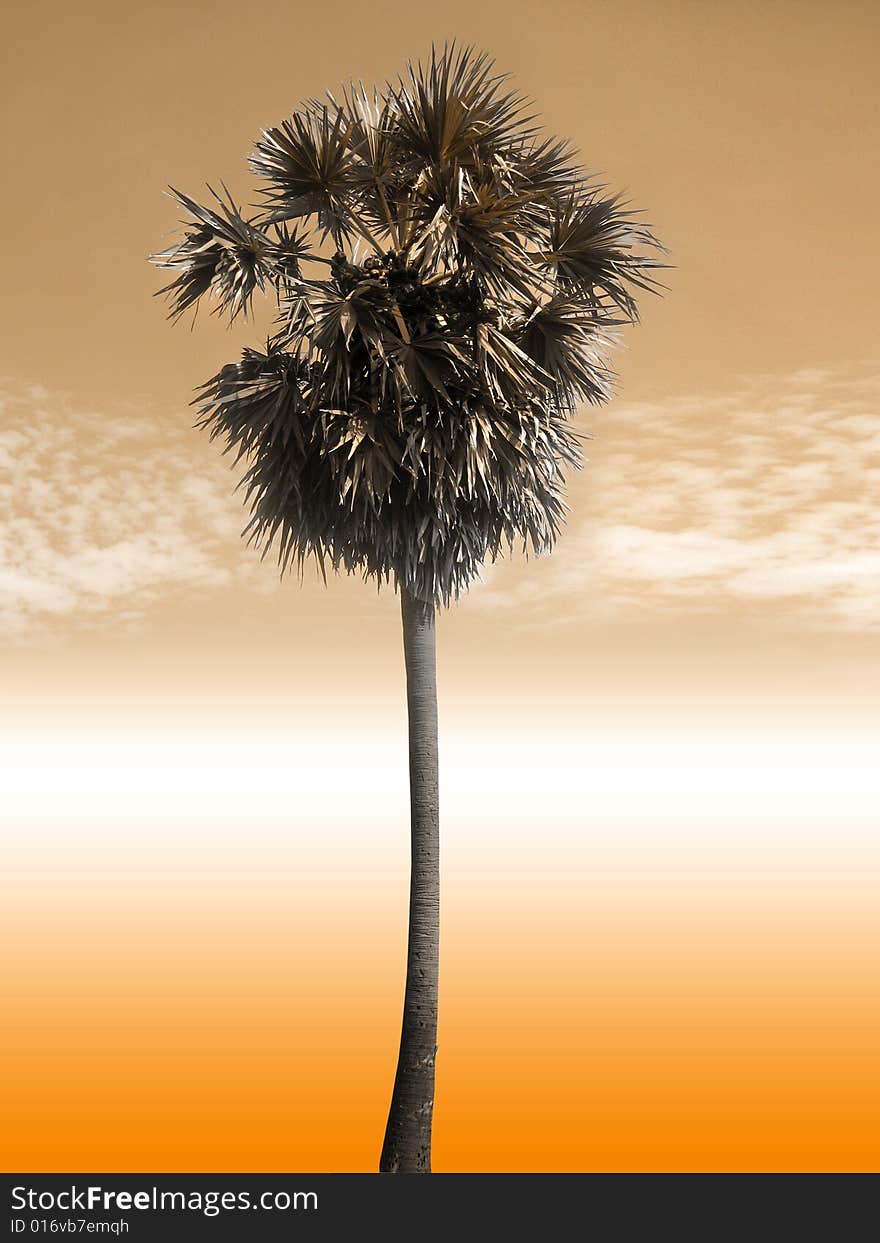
x: 725, y: 531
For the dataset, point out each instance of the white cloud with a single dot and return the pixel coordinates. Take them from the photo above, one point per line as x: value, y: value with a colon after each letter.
x: 108, y: 512
x: 766, y: 498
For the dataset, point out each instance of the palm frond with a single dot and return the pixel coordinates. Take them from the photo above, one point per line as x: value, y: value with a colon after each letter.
x: 374, y: 172
x: 595, y: 245
x: 220, y: 251
x: 454, y: 108
x: 410, y: 416
x: 562, y: 337
x: 308, y: 162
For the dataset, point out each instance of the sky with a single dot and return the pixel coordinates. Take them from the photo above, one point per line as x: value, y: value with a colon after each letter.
x: 659, y: 797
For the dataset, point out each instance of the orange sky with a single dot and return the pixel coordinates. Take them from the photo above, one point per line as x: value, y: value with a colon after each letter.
x: 713, y: 602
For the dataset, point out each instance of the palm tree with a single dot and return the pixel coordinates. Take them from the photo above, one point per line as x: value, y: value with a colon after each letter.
x: 447, y: 280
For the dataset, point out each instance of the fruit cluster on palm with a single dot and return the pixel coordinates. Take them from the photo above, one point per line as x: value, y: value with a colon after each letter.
x: 447, y: 280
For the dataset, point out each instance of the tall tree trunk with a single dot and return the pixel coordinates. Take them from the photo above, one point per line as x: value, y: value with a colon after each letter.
x: 407, y: 1146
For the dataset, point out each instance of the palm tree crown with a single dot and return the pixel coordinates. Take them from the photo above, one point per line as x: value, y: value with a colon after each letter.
x: 447, y: 311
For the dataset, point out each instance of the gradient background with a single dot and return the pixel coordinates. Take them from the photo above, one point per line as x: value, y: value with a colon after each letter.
x: 659, y: 781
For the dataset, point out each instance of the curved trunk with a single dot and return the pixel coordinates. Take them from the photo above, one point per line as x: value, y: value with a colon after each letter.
x: 407, y: 1146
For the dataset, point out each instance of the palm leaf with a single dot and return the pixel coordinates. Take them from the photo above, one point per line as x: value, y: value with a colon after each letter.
x: 308, y: 162
x: 593, y: 244
x: 562, y: 337
x: 220, y: 251
x: 410, y: 416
